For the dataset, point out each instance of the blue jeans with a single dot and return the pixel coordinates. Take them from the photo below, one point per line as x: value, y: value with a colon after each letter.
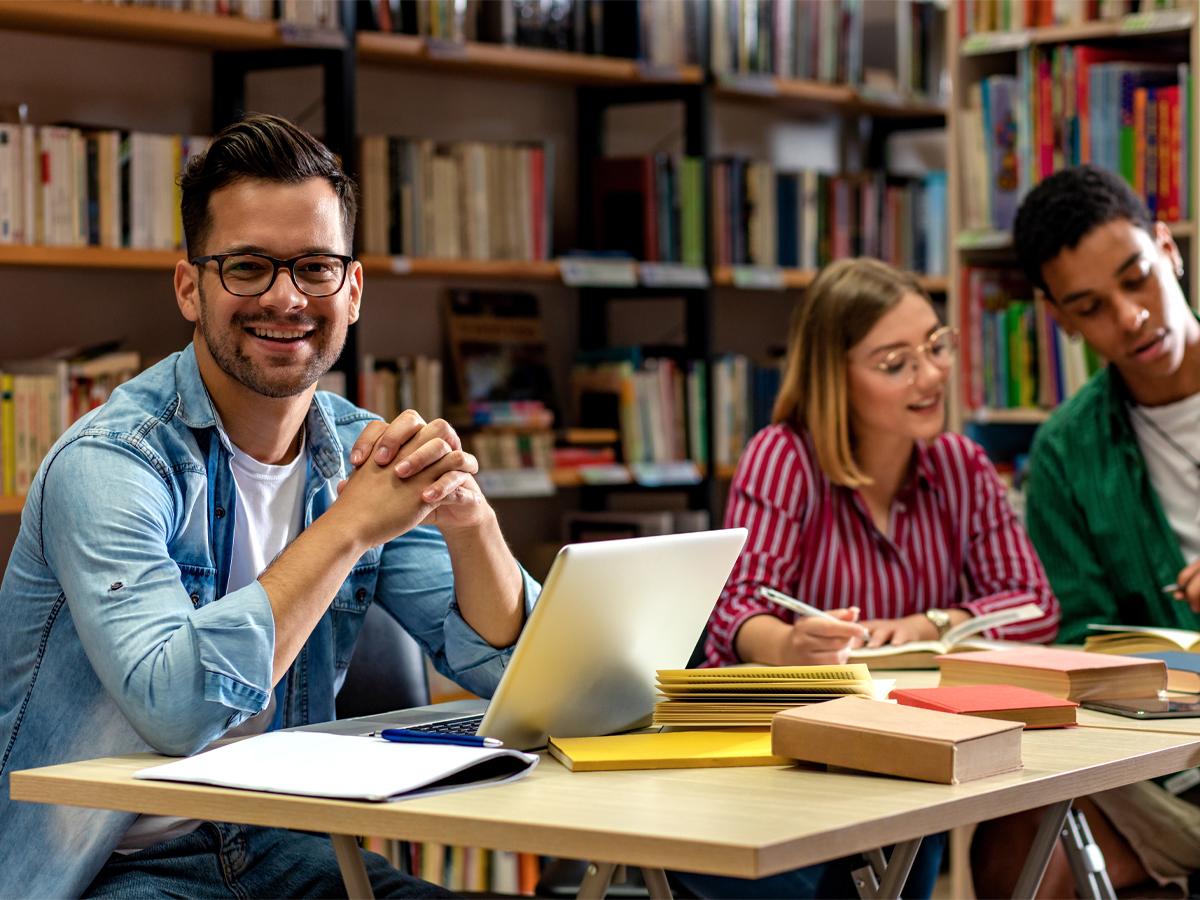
x: 222, y: 860
x: 825, y: 880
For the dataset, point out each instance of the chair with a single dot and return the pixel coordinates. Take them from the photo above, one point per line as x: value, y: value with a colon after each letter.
x: 387, y: 670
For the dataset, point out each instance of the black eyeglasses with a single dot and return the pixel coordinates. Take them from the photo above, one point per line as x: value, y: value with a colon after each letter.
x: 253, y: 274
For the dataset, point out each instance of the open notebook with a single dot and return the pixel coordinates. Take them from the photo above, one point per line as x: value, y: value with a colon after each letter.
x: 962, y: 637
x: 345, y: 767
x: 1125, y: 639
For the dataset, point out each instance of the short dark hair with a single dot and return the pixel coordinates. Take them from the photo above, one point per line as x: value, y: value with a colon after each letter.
x: 1064, y: 208
x: 266, y: 147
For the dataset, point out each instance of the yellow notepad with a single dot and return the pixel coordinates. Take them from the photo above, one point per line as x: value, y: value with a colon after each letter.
x: 666, y: 750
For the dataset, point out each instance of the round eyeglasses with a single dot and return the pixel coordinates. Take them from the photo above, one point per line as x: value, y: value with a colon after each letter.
x: 902, y: 363
x: 253, y: 274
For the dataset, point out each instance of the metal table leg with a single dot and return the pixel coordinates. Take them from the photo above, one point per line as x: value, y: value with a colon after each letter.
x: 595, y: 883
x: 1039, y: 852
x: 656, y: 884
x: 354, y: 871
x: 885, y: 879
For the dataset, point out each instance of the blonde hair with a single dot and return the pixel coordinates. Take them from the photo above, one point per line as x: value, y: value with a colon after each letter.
x: 844, y: 302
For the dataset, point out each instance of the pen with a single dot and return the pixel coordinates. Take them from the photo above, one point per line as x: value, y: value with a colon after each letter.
x: 406, y: 736
x: 799, y: 607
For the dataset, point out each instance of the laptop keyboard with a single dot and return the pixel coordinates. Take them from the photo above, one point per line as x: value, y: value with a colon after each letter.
x: 469, y: 725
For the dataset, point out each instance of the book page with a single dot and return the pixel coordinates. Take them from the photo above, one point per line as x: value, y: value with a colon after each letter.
x: 1180, y: 636
x: 1026, y: 612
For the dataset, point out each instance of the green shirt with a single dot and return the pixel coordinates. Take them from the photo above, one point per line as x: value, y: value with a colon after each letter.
x: 1095, y: 518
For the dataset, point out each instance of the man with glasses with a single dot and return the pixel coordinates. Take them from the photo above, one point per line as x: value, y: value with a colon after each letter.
x: 197, y: 555
x: 1114, y: 480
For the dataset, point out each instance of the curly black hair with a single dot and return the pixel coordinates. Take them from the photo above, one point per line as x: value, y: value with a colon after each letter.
x: 1059, y: 212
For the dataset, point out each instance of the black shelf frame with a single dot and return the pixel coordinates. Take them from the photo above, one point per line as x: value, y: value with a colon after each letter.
x: 595, y: 302
x: 230, y: 73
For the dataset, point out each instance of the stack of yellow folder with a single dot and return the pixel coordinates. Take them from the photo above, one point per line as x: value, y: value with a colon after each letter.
x: 667, y: 750
x: 748, y: 696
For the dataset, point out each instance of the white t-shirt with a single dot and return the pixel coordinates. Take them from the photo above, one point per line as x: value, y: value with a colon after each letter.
x: 268, y: 515
x: 1175, y: 478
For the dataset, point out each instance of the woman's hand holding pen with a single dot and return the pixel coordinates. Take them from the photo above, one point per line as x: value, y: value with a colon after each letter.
x: 814, y: 641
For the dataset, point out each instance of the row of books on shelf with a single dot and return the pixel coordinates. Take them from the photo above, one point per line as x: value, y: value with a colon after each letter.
x: 822, y: 40
x: 662, y: 34
x: 461, y: 869
x: 659, y: 405
x: 40, y: 398
x: 1072, y: 104
x: 1011, y: 15
x: 64, y: 186
x: 464, y: 200
x: 390, y: 386
x: 650, y: 207
x: 765, y: 217
x: 299, y: 11
x: 1014, y: 356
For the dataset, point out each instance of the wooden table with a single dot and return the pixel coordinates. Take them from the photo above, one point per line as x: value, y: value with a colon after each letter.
x: 745, y: 822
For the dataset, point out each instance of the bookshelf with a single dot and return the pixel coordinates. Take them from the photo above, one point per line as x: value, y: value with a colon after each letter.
x: 148, y: 25
x: 601, y: 82
x: 1169, y: 35
x: 521, y: 63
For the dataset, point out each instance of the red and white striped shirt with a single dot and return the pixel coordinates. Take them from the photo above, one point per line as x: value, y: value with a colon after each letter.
x: 955, y: 542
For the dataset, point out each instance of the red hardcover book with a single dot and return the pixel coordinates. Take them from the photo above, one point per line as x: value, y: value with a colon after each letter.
x: 626, y: 206
x: 993, y: 701
x: 1069, y: 674
x: 537, y: 202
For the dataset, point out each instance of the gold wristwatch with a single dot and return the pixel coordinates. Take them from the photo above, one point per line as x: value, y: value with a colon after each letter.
x: 940, y: 619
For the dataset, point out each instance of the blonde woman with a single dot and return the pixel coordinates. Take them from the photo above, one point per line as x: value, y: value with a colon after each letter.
x: 858, y: 502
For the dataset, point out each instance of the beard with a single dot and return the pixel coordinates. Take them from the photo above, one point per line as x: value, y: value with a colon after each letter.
x: 327, y: 339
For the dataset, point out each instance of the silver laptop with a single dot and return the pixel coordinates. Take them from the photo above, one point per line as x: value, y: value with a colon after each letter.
x: 610, y: 614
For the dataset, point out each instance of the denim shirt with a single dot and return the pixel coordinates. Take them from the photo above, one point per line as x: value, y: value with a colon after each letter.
x: 117, y: 635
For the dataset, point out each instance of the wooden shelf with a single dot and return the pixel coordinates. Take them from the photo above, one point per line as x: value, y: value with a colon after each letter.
x: 570, y: 477
x: 498, y: 270
x: 88, y: 257
x: 522, y: 63
x: 11, y: 506
x: 755, y: 278
x: 969, y: 241
x: 142, y: 24
x: 1157, y: 22
x: 1009, y: 416
x: 824, y: 95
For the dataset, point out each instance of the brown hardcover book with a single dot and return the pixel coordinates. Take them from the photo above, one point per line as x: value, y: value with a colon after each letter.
x: 1068, y: 674
x: 923, y: 744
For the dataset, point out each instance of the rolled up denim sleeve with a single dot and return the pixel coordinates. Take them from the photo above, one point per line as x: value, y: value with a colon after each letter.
x: 416, y: 586
x: 182, y: 675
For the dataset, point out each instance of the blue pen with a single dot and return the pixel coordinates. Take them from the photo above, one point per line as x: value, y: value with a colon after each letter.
x: 406, y: 736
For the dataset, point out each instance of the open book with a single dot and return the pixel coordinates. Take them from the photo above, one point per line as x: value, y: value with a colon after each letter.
x: 921, y: 654
x: 346, y: 767
x: 1125, y: 639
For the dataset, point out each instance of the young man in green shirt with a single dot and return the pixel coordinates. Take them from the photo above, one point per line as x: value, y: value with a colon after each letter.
x: 1113, y: 494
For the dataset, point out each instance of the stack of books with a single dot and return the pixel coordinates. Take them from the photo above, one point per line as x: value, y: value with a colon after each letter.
x: 1067, y: 674
x: 748, y: 696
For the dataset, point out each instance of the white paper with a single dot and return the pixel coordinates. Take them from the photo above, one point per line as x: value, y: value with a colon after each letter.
x: 341, y: 766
